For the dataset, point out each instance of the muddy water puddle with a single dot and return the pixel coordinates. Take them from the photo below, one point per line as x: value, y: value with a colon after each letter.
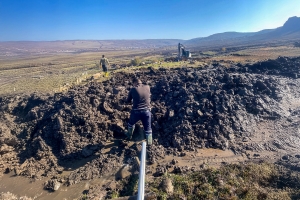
x: 34, y: 189
x: 21, y: 186
x: 210, y: 157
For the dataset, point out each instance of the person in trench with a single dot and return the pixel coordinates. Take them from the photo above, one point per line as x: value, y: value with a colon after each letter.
x: 140, y: 94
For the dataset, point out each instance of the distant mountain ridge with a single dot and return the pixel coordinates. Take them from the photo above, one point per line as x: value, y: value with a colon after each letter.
x: 290, y: 31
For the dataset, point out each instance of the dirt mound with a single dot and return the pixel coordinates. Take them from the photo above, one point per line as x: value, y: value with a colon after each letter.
x: 281, y: 66
x: 192, y: 108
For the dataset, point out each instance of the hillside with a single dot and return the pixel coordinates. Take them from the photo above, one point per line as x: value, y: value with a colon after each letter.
x: 290, y: 31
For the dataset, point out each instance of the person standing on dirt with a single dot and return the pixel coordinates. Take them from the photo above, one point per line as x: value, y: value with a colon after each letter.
x: 104, y: 63
x: 140, y: 94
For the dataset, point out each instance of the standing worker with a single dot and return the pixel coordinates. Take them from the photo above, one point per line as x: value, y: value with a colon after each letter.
x: 104, y: 62
x: 140, y: 94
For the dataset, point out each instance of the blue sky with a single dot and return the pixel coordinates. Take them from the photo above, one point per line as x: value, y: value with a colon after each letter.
x: 39, y: 20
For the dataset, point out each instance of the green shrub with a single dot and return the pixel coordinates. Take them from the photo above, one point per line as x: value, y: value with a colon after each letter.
x: 136, y: 62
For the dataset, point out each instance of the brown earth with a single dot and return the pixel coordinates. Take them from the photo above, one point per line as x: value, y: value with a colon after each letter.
x: 207, y: 115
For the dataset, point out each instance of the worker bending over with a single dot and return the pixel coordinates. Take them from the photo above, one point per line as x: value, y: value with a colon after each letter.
x: 140, y: 94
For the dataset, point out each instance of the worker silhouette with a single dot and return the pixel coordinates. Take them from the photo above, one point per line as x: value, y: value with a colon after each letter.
x: 140, y: 94
x: 104, y: 63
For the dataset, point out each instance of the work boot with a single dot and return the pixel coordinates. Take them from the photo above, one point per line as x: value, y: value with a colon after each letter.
x: 149, y: 139
x: 129, y: 133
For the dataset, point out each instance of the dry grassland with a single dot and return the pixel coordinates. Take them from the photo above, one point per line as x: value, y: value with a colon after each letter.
x: 55, y: 72
x: 49, y: 73
x: 259, y: 54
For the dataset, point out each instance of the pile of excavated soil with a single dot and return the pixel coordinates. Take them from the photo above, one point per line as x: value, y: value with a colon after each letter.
x: 210, y: 107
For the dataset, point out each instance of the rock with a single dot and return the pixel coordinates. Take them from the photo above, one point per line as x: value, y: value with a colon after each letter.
x: 107, y: 108
x: 32, y: 115
x: 199, y: 113
x: 189, y: 111
x: 123, y: 172
x: 167, y: 186
x: 56, y: 186
x: 17, y: 171
x: 279, y: 144
x: 171, y: 113
x: 136, y: 163
x: 96, y: 103
x: 231, y: 136
x: 52, y: 185
x: 286, y: 157
x: 160, y: 170
x: 4, y: 148
x: 112, y: 185
x: 177, y: 170
x: 58, y: 123
x: 173, y: 162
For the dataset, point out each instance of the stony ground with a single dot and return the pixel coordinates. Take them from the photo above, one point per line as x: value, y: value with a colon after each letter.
x: 251, y: 110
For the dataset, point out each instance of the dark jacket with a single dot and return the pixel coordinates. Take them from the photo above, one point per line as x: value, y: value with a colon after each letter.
x: 140, y: 96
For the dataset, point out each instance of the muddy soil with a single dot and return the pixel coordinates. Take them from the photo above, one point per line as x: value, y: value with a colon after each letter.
x: 248, y: 112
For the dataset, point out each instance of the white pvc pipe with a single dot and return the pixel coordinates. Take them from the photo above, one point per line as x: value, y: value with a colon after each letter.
x: 141, y: 191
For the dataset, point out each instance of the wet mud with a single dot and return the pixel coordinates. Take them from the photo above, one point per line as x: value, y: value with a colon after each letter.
x: 249, y: 111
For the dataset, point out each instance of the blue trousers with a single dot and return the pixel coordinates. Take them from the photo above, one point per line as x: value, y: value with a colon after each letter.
x: 104, y: 67
x: 144, y: 116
